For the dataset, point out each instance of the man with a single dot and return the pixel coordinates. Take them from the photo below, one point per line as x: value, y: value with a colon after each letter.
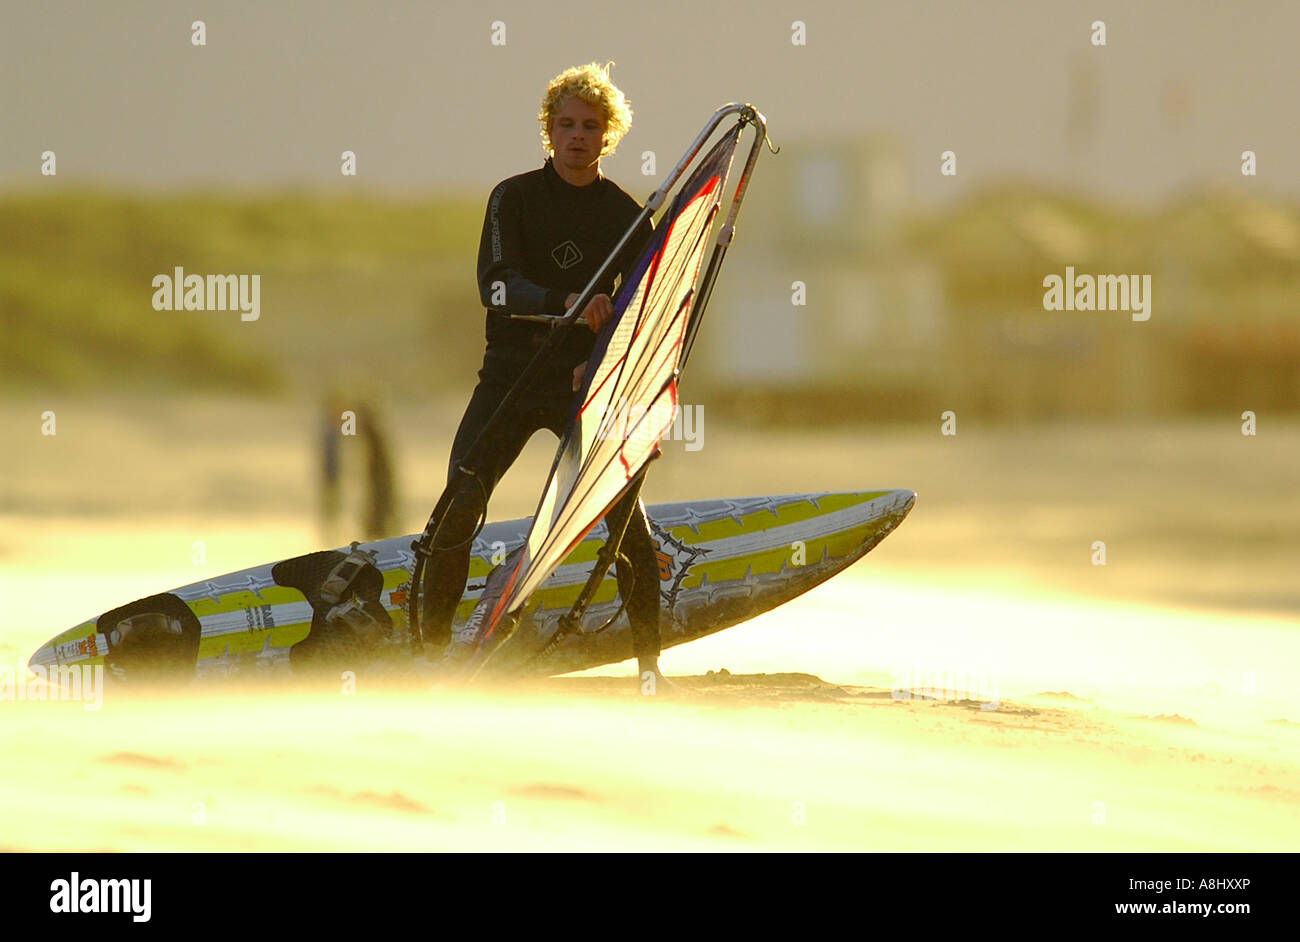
x: 545, y: 234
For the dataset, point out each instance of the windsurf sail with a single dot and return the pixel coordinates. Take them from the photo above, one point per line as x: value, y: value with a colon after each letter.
x: 628, y: 395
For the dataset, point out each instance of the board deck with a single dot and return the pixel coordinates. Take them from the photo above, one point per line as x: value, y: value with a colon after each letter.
x: 721, y: 562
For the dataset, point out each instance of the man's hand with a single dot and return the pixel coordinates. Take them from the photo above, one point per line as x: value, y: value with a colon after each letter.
x: 577, y: 374
x: 598, y: 313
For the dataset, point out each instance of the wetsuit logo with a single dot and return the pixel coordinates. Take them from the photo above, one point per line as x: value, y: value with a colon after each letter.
x: 566, y: 254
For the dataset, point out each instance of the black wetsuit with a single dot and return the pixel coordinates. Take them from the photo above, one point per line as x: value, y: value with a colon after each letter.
x: 543, y: 239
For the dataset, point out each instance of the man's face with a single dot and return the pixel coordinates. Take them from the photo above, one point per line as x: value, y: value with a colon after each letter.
x: 577, y: 133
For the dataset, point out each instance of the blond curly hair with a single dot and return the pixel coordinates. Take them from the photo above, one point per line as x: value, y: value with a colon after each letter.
x: 591, y: 84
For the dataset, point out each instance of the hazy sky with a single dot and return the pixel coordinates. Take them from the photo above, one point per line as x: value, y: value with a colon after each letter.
x: 427, y: 102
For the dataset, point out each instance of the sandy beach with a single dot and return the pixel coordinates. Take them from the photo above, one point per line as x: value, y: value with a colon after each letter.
x: 953, y: 691
x: 748, y: 762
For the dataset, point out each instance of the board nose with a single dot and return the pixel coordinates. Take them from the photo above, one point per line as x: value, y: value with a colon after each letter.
x: 78, y: 643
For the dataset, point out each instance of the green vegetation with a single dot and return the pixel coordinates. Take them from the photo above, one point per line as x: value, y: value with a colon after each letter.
x: 349, y: 288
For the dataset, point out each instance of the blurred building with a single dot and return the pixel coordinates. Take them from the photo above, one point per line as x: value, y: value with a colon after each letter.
x: 1224, y: 331
x: 872, y: 322
x: 907, y: 315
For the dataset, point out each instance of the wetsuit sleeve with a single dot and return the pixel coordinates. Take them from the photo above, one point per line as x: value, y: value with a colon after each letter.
x: 500, y: 260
